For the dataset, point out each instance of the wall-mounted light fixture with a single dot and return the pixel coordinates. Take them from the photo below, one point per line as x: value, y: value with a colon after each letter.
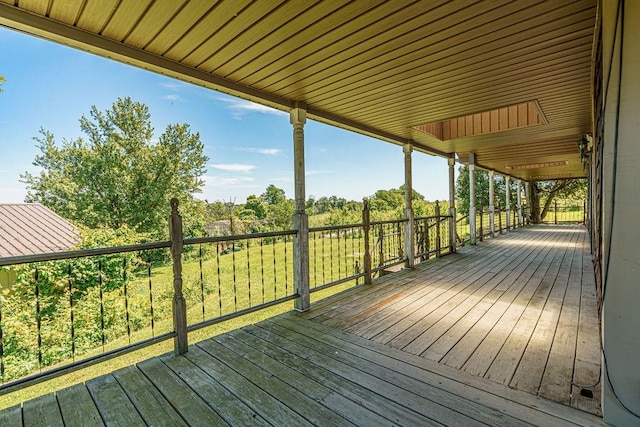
x: 584, y: 147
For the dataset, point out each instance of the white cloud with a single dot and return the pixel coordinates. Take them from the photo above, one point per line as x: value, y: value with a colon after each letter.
x: 171, y: 97
x: 266, y: 151
x: 318, y: 172
x: 241, y: 108
x: 173, y: 85
x: 233, y: 167
x: 225, y: 181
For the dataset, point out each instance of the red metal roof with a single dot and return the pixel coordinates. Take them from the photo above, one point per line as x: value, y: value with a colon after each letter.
x: 31, y: 228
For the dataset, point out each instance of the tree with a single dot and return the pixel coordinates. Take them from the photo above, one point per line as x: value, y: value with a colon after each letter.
x: 482, y: 190
x: 118, y: 175
x: 255, y: 206
x: 543, y: 193
x: 273, y: 195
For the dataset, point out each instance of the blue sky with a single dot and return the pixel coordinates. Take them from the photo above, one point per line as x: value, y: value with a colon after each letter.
x: 249, y: 146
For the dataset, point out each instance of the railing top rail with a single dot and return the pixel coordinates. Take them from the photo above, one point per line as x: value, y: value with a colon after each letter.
x: 81, y: 253
x: 389, y: 221
x: 215, y: 239
x: 335, y: 227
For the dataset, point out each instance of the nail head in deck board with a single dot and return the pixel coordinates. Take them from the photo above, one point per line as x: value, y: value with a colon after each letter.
x: 42, y: 411
x: 151, y: 405
x: 77, y: 407
x: 194, y: 410
x: 112, y: 402
x: 11, y: 417
x: 268, y: 381
x: 263, y: 403
x: 234, y: 411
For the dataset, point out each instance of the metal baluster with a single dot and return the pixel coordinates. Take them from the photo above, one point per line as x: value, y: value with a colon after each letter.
x: 275, y: 271
x: 73, y: 336
x: 101, y: 301
x: 126, y: 296
x: 249, y: 271
x: 153, y: 333
x: 323, y: 265
x: 286, y: 276
x: 315, y: 260
x: 201, y: 280
x: 219, y: 279
x: 233, y: 264
x: 262, y: 267
x: 38, y: 320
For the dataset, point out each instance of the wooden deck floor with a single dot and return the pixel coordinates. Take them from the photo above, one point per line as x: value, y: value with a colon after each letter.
x: 518, y: 310
x: 305, y: 369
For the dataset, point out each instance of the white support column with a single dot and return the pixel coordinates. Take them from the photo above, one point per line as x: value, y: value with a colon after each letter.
x: 507, y: 186
x: 527, y: 194
x: 519, y: 200
x: 452, y: 202
x: 298, y: 117
x: 408, y: 210
x: 472, y: 198
x: 492, y: 206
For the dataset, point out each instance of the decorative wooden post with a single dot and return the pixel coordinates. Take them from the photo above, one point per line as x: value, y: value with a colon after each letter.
x: 472, y: 199
x: 298, y: 117
x: 366, y: 220
x: 438, y: 242
x: 507, y: 195
x: 381, y: 249
x: 555, y: 212
x: 180, y: 341
x: 409, y: 249
x: 481, y: 223
x: 499, y: 219
x: 452, y: 204
x: 520, y: 217
x: 492, y: 208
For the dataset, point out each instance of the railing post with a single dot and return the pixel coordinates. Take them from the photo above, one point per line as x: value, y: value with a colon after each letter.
x: 438, y: 242
x: 555, y: 212
x: 366, y: 220
x: 452, y: 204
x: 381, y: 240
x: 181, y: 344
x: 472, y: 199
x: 481, y: 223
x: 492, y: 209
x: 499, y: 220
x: 507, y: 197
x: 409, y: 248
x: 297, y: 118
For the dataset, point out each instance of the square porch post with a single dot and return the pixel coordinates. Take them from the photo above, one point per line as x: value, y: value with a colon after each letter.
x: 298, y: 117
x: 492, y: 207
x: 452, y: 203
x: 408, y: 210
x: 507, y: 186
x: 519, y: 203
x: 472, y: 199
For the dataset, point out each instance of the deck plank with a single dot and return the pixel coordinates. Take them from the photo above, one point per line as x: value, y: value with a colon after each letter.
x: 112, y: 402
x: 270, y: 408
x: 77, y: 407
x: 225, y: 403
x: 519, y: 404
x: 191, y: 407
x: 429, y: 400
x: 11, y: 416
x: 304, y: 384
x: 42, y: 411
x: 151, y: 405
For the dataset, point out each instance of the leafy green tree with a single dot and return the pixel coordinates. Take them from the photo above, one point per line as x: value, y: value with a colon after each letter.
x: 543, y: 193
x: 482, y: 190
x: 273, y: 195
x: 118, y: 175
x: 256, y: 206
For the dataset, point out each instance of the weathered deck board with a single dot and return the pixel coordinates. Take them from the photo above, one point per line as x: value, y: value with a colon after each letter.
x: 519, y: 310
x: 302, y: 369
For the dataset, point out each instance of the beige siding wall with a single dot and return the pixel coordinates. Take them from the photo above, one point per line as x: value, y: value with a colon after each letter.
x: 621, y: 203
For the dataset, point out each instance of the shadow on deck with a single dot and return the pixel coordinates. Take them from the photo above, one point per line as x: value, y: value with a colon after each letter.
x: 516, y: 312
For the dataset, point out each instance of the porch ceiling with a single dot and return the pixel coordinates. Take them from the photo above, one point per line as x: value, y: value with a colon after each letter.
x: 377, y: 67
